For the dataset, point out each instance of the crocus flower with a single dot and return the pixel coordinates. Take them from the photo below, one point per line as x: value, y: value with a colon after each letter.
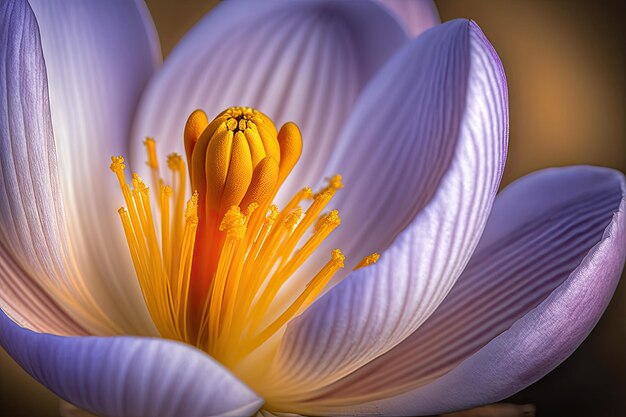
x: 474, y: 297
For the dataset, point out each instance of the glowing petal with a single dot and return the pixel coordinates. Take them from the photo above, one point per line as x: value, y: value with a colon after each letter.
x: 29, y: 304
x: 544, y: 241
x: 376, y: 307
x: 32, y: 227
x: 99, y: 56
x: 126, y: 376
x: 303, y: 61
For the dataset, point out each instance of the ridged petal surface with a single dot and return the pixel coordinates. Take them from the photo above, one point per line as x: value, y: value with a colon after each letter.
x: 98, y: 56
x: 424, y: 150
x: 129, y: 376
x: 303, y: 61
x: 34, y: 249
x: 29, y: 303
x: 545, y: 270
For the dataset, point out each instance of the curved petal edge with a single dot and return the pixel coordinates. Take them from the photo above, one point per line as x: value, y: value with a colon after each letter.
x: 544, y: 336
x: 98, y: 57
x: 303, y: 61
x: 440, y: 209
x: 129, y: 376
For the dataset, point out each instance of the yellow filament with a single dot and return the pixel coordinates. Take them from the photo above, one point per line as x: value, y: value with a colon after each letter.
x: 166, y: 196
x: 237, y: 162
x: 325, y: 226
x: 177, y: 167
x: 253, y: 253
x: 234, y: 226
x: 152, y: 258
x: 313, y: 289
x: 184, y: 268
x: 234, y: 276
x: 153, y: 161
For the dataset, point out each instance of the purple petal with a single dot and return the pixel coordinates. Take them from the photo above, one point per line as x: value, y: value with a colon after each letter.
x: 540, y: 279
x: 442, y: 158
x: 416, y: 15
x: 98, y: 56
x: 407, y: 131
x: 127, y: 376
x: 33, y: 248
x: 304, y: 61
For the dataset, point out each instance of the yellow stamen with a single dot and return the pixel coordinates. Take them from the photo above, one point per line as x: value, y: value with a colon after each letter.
x: 235, y: 228
x: 324, y: 227
x: 312, y: 290
x: 179, y: 178
x: 334, y: 184
x: 166, y: 196
x: 367, y: 261
x: 151, y: 256
x: 184, y: 268
x: 211, y: 271
x: 153, y: 161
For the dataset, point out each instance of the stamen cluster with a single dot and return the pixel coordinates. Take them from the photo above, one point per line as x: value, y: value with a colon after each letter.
x: 211, y: 273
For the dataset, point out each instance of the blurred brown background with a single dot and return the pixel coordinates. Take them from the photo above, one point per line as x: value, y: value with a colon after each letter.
x: 565, y: 65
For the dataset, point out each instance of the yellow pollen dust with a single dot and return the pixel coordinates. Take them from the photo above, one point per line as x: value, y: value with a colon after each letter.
x: 212, y: 267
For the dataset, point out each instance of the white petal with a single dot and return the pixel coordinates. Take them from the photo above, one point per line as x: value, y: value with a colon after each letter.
x: 99, y: 56
x: 304, y: 61
x: 442, y: 158
x: 544, y: 272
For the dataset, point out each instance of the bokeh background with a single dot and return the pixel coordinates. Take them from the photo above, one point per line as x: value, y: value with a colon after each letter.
x: 565, y: 63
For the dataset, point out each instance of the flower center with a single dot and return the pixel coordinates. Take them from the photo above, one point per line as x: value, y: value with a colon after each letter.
x: 211, y: 272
